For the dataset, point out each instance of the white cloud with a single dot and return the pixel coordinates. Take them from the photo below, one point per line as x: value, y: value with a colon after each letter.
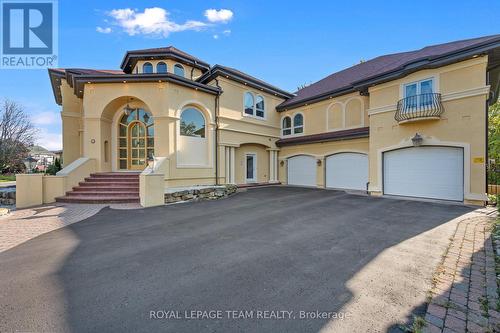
x: 46, y: 118
x: 216, y: 36
x: 218, y: 16
x: 153, y: 21
x: 226, y: 32
x: 104, y: 30
x: 51, y: 141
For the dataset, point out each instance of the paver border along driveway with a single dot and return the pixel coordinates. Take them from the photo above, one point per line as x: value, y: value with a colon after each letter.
x: 304, y: 259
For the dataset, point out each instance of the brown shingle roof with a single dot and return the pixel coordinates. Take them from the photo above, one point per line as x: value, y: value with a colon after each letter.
x: 353, y: 77
x: 353, y: 133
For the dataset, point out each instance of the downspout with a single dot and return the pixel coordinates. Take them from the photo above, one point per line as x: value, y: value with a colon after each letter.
x: 217, y: 109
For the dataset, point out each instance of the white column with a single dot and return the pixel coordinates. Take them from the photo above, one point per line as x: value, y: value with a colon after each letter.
x: 273, y: 166
x: 227, y: 172
x: 232, y: 164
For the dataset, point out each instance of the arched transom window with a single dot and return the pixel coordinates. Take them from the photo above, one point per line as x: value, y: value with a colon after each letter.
x: 147, y: 68
x: 254, y: 105
x: 192, y: 123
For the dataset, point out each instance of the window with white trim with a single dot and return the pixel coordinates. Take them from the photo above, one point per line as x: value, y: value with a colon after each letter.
x: 298, y: 124
x: 286, y: 126
x: 249, y: 103
x: 259, y: 106
x: 254, y: 106
x: 419, y: 93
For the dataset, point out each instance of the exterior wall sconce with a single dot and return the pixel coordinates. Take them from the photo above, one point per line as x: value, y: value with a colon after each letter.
x: 282, y: 163
x: 92, y: 141
x: 127, y: 109
x: 417, y: 140
x: 318, y: 162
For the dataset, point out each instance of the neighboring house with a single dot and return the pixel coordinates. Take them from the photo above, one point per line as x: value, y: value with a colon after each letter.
x: 43, y: 158
x: 407, y: 124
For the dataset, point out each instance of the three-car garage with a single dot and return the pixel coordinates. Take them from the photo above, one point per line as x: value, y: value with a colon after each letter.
x: 434, y: 172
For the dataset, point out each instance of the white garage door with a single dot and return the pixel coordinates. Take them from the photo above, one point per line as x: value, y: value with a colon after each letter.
x: 347, y: 171
x: 427, y: 172
x: 302, y: 171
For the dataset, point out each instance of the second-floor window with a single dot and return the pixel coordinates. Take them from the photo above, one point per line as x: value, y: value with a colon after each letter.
x: 286, y: 126
x: 254, y: 106
x: 161, y: 68
x: 147, y: 68
x: 179, y: 70
x: 298, y: 124
x: 420, y: 93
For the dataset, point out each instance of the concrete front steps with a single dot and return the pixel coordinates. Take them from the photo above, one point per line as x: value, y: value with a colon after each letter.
x: 105, y: 187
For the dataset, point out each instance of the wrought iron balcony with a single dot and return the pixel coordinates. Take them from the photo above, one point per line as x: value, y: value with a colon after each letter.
x: 419, y: 107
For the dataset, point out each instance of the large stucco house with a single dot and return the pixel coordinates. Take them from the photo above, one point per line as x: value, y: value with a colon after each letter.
x: 407, y: 124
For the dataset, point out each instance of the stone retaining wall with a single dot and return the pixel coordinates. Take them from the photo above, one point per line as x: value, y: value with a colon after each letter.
x: 8, y: 196
x: 203, y: 193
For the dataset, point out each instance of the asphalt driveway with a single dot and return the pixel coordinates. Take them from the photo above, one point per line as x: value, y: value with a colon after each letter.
x: 280, y: 253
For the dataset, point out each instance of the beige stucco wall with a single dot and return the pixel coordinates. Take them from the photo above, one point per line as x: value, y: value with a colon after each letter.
x: 262, y: 162
x: 335, y: 114
x: 320, y: 151
x: 72, y: 126
x: 462, y: 124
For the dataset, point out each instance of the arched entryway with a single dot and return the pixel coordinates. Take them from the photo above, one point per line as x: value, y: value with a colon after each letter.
x: 135, y: 139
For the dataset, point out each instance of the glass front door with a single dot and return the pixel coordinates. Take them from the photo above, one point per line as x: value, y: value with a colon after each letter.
x: 251, y: 167
x: 136, y: 140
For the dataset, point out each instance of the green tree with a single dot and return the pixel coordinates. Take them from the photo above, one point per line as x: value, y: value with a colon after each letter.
x: 188, y: 129
x: 494, y: 132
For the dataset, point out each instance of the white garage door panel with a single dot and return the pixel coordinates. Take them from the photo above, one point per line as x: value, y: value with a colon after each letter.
x: 347, y: 171
x: 302, y: 171
x: 427, y: 172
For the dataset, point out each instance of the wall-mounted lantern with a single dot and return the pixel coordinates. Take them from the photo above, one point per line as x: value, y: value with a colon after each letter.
x: 318, y: 162
x: 417, y: 140
x: 282, y: 163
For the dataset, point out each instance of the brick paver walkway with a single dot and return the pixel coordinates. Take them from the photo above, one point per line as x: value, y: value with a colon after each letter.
x: 464, y: 294
x: 22, y: 225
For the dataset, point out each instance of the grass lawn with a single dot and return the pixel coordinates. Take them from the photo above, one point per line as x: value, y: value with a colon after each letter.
x: 7, y: 178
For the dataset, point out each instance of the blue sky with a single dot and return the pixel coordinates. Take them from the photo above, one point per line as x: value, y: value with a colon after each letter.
x: 281, y: 42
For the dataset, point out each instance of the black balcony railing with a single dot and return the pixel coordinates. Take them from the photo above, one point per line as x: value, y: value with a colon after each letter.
x: 419, y: 106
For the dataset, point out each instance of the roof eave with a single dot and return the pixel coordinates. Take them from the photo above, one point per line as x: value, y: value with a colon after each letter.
x: 218, y: 71
x: 81, y: 80
x: 55, y: 82
x: 167, y: 55
x: 357, y: 133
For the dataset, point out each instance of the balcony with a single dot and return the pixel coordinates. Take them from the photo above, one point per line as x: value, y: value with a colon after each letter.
x: 419, y: 107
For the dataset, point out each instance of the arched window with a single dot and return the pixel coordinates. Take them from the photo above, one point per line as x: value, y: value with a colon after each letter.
x: 249, y: 103
x: 179, y: 70
x: 259, y: 107
x: 298, y: 124
x: 147, y: 68
x: 192, y: 123
x: 286, y: 126
x: 161, y: 68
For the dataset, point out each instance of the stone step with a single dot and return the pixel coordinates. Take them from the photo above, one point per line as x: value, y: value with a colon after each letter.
x: 98, y: 199
x: 114, y: 174
x: 111, y: 180
x: 108, y: 188
x: 109, y: 184
x: 110, y: 194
